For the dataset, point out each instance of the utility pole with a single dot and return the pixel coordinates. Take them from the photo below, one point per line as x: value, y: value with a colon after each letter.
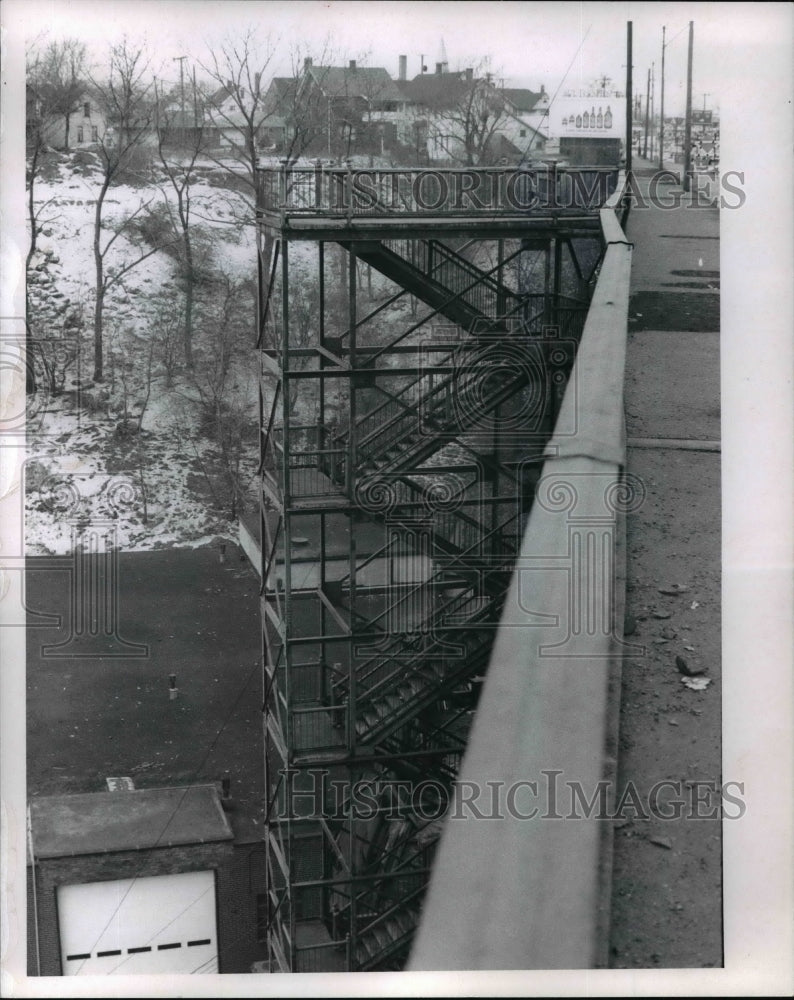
x: 704, y: 100
x: 195, y: 100
x: 661, y: 113
x: 629, y: 105
x: 647, y: 106
x: 181, y: 61
x: 688, y: 121
x: 653, y: 87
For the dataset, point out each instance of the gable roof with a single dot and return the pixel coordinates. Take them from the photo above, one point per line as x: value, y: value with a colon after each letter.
x: 522, y: 99
x: 280, y: 94
x: 371, y: 82
x: 436, y: 90
x: 219, y: 96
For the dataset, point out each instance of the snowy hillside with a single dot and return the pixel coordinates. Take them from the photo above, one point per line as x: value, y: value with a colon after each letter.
x: 181, y: 484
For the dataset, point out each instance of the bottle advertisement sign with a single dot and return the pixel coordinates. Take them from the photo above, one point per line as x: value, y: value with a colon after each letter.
x: 596, y: 114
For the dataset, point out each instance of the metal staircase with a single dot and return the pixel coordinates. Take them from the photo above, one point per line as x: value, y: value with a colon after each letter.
x: 444, y: 279
x: 372, y: 671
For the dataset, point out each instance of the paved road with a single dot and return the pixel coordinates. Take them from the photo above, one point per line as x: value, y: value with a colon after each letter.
x: 666, y: 908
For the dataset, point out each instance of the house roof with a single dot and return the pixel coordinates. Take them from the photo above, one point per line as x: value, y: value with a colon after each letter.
x: 436, y: 90
x: 501, y: 146
x: 280, y: 95
x: 371, y: 82
x: 523, y: 100
x: 99, y: 822
x: 219, y: 96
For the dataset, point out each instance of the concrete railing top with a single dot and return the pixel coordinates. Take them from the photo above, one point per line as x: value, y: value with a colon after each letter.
x: 518, y: 881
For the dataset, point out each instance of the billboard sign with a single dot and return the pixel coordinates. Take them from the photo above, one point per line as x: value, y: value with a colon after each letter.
x: 588, y: 114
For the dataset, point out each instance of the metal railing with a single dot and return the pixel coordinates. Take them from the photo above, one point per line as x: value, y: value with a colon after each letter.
x: 472, y: 191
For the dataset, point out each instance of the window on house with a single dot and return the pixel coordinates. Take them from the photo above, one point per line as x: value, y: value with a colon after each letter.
x: 523, y: 133
x: 261, y: 917
x: 94, y: 133
x: 80, y: 133
x: 86, y: 110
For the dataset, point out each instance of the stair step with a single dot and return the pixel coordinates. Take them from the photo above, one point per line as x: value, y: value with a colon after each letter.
x: 404, y: 923
x: 382, y: 936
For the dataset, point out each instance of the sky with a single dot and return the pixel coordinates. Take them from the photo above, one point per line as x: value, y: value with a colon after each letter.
x: 555, y: 44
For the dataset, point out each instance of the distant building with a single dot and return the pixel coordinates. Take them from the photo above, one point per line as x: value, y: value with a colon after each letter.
x: 345, y: 110
x: 530, y: 107
x: 459, y: 117
x: 224, y: 121
x: 87, y: 124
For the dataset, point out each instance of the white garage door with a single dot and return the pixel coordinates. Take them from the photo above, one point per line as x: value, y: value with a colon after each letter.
x: 143, y: 925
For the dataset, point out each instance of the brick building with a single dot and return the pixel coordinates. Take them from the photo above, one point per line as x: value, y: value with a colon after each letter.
x: 166, y: 872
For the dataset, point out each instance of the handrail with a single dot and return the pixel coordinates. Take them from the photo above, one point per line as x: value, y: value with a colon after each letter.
x: 440, y: 615
x: 544, y: 703
x: 380, y: 192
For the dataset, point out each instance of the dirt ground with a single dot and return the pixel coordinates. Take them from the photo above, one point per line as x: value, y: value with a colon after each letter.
x: 667, y: 877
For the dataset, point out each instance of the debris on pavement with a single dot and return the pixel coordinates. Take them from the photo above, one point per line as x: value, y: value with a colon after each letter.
x: 696, y: 683
x: 661, y: 842
x: 687, y: 669
x: 674, y: 588
x: 661, y: 614
x: 693, y: 605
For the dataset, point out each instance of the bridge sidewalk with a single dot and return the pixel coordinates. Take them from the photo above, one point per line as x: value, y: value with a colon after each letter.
x: 666, y: 905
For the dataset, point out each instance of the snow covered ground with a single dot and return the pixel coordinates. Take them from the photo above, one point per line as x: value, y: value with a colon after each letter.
x: 166, y: 485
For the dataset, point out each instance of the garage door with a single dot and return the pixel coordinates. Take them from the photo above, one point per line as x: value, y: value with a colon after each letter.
x: 144, y: 925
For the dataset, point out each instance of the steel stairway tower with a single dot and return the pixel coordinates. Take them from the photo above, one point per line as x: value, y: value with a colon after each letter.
x: 402, y: 421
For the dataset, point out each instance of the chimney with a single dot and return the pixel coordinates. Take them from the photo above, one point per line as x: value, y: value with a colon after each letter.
x: 403, y: 74
x: 469, y: 74
x: 439, y: 67
x: 257, y: 78
x: 353, y: 65
x: 307, y: 62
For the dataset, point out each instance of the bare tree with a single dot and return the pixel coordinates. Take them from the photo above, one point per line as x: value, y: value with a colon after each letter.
x: 465, y: 113
x: 125, y: 99
x: 224, y: 411
x: 237, y: 109
x: 57, y: 73
x: 47, y: 98
x: 181, y: 171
